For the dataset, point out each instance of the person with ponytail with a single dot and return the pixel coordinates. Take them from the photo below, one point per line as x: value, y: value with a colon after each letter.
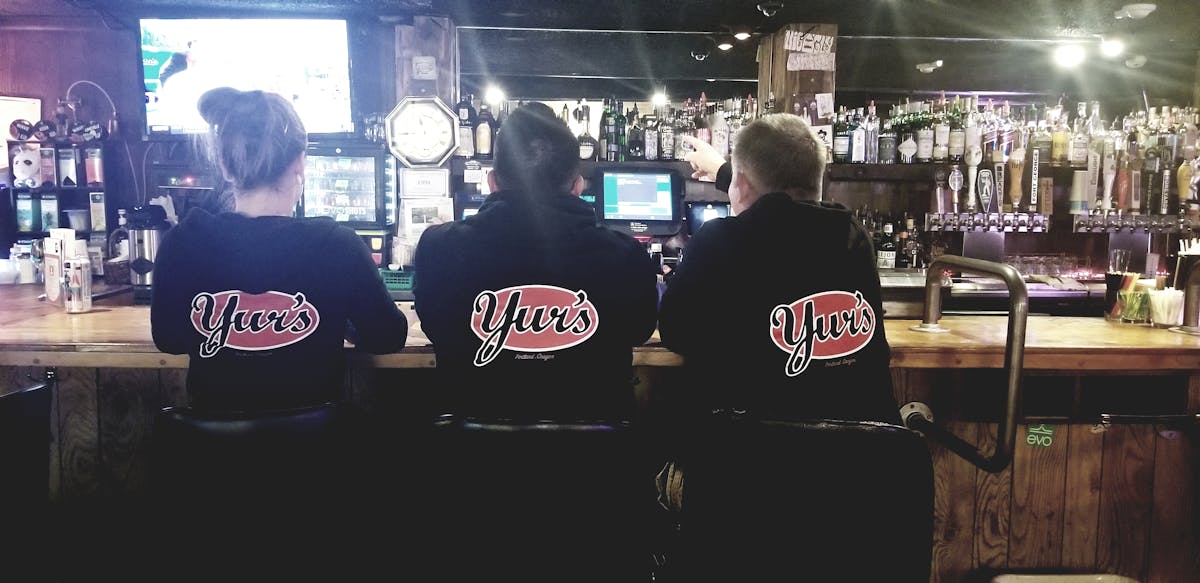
x: 260, y: 300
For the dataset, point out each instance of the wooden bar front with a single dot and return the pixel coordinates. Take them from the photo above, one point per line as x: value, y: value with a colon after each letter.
x: 1106, y: 499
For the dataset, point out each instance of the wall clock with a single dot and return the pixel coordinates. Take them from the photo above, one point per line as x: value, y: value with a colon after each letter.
x: 421, y: 131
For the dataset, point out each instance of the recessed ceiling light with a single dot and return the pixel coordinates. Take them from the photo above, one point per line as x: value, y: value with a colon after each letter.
x: 724, y: 45
x: 743, y: 35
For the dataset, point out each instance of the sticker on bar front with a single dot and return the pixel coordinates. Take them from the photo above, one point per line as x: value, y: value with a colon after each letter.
x: 252, y: 322
x: 824, y: 326
x: 531, y: 319
x: 1039, y: 435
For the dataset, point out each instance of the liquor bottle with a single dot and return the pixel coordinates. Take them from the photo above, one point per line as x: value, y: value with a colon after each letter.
x: 605, y: 120
x: 871, y: 134
x: 684, y: 126
x: 1060, y: 147
x: 1183, y: 182
x: 1079, y: 139
x: 887, y: 144
x: 589, y: 148
x: 1043, y: 141
x: 958, y: 140
x: 1121, y: 181
x: 720, y: 131
x: 902, y: 244
x: 650, y: 137
x: 635, y: 144
x: 941, y: 134
x: 703, y: 131
x: 770, y: 106
x: 841, y: 138
x: 925, y: 138
x: 466, y: 128
x: 485, y: 131
x: 666, y: 135
x: 565, y: 115
x: 858, y: 139
x: 886, y: 249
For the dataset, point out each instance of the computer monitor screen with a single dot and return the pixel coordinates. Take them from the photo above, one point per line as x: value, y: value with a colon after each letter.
x: 307, y: 61
x: 638, y: 196
x: 698, y: 212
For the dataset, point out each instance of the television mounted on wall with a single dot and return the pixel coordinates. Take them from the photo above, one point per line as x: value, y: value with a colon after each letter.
x: 306, y: 60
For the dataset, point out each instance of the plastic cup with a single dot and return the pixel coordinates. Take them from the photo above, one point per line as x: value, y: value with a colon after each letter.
x: 1134, y: 306
x: 1166, y: 308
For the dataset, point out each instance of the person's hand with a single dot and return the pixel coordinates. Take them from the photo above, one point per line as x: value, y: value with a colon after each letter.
x: 704, y: 159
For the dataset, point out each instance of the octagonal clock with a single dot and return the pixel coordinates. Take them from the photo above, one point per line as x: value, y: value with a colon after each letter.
x: 421, y: 131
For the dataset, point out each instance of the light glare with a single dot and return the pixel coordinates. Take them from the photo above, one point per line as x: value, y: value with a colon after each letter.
x: 658, y: 99
x: 493, y: 95
x: 1069, y: 56
x: 1112, y: 47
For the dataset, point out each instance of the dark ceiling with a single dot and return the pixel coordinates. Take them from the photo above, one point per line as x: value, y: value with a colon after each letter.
x: 1174, y: 22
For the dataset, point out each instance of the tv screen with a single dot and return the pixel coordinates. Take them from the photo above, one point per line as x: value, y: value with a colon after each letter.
x: 307, y: 61
x: 638, y: 196
x: 699, y: 212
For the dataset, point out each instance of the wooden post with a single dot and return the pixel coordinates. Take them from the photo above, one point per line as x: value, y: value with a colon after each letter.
x: 799, y: 60
x: 425, y: 59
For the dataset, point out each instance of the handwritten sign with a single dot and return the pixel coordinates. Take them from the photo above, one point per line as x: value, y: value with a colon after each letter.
x: 811, y: 62
x: 807, y: 42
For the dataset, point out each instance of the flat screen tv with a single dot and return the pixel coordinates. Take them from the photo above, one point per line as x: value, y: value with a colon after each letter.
x: 698, y: 212
x: 305, y: 60
x: 641, y: 201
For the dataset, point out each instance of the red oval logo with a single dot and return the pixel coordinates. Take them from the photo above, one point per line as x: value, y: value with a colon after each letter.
x: 252, y: 322
x: 823, y: 326
x: 531, y: 318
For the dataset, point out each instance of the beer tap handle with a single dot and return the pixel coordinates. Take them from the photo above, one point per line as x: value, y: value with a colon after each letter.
x: 974, y: 155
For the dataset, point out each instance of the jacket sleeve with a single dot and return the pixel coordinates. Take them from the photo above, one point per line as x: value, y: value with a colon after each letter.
x: 724, y: 177
x: 379, y: 326
x: 643, y: 303
x: 694, y: 289
x: 882, y: 405
x: 170, y: 323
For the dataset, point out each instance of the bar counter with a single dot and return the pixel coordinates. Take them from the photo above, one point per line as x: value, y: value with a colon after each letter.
x: 1079, y: 495
x: 116, y: 334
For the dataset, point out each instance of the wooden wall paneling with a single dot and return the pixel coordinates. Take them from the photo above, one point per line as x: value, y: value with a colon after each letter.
x: 427, y: 37
x: 993, y: 507
x: 172, y: 385
x: 1038, y: 490
x: 1175, y: 519
x: 1125, y: 500
x: 127, y: 400
x: 79, y: 436
x: 953, y: 510
x: 1081, y: 495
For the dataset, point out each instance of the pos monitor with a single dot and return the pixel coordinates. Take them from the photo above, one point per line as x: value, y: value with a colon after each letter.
x: 640, y: 201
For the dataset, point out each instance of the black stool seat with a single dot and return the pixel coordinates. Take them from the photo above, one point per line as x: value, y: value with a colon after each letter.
x: 819, y: 500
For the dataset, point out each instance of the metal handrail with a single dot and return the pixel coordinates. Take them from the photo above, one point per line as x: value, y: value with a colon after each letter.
x: 917, y: 416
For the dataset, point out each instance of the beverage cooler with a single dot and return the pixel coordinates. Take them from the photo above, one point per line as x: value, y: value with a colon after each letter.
x: 355, y: 184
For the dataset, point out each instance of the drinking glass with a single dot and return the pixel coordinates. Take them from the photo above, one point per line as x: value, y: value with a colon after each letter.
x: 1118, y: 264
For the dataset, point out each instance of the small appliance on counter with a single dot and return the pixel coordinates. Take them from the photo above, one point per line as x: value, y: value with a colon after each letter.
x: 146, y: 225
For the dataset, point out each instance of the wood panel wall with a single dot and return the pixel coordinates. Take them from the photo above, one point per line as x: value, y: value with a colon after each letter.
x: 1118, y: 500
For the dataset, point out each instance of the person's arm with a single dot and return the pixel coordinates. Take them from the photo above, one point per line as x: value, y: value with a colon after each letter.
x: 707, y: 164
x: 694, y: 291
x: 170, y: 310
x: 378, y: 325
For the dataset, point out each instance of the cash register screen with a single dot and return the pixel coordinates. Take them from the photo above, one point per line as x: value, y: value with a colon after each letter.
x: 644, y: 202
x: 699, y: 212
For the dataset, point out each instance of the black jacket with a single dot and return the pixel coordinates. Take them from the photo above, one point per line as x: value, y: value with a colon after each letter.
x: 296, y: 281
x: 599, y: 294
x: 778, y: 310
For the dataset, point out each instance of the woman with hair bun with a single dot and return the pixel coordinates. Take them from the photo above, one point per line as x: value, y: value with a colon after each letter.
x: 260, y: 300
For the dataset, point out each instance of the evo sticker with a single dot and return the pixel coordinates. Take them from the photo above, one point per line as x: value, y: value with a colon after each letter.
x: 1039, y: 435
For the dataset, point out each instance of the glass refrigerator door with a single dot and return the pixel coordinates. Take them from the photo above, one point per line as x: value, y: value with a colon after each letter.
x: 342, y: 187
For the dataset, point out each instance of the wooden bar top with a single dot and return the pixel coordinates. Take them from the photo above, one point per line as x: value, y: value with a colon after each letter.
x: 117, y: 334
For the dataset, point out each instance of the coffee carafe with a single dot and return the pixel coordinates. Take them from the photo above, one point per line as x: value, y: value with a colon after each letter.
x: 145, y: 225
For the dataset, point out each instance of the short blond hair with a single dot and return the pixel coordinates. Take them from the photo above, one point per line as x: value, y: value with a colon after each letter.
x: 781, y: 153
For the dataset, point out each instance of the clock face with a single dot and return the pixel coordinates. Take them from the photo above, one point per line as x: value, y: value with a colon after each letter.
x: 422, y: 131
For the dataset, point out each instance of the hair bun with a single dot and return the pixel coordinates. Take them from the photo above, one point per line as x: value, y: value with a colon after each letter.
x: 216, y: 104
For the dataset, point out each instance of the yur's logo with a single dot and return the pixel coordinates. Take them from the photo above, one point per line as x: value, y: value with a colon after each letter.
x: 826, y: 325
x: 252, y: 321
x: 531, y: 318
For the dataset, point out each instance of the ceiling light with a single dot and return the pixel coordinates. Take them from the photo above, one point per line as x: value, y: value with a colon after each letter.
x: 1069, y: 56
x: 493, y: 95
x: 741, y: 35
x: 769, y: 9
x: 724, y: 45
x: 1134, y: 11
x: 1112, y: 47
x: 658, y: 99
x: 1136, y: 61
x: 929, y: 67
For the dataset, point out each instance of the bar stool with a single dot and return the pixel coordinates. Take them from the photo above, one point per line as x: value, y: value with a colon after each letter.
x: 276, y: 493
x: 24, y: 488
x: 535, y: 501
x: 821, y: 500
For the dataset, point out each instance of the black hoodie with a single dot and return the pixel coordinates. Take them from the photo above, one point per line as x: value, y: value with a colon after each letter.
x: 778, y: 311
x: 578, y: 297
x: 296, y: 283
